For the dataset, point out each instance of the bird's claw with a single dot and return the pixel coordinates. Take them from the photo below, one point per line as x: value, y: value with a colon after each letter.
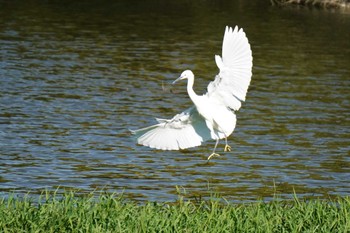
x: 227, y: 148
x: 213, y: 155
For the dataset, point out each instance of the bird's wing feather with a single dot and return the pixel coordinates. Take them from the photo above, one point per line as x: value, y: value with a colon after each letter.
x: 231, y: 84
x: 185, y: 130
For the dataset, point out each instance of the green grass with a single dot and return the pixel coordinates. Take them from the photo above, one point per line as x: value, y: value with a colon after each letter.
x: 110, y: 213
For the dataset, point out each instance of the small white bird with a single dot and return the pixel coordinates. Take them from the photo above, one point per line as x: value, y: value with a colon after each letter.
x: 212, y: 116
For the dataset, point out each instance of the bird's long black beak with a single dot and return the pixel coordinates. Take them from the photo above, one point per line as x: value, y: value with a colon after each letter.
x: 178, y: 79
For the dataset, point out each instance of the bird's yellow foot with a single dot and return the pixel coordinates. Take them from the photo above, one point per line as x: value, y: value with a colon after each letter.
x: 227, y: 148
x: 213, y: 155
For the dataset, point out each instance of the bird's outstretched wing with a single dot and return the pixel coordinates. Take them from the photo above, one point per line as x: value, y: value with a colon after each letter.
x: 231, y: 84
x: 185, y: 130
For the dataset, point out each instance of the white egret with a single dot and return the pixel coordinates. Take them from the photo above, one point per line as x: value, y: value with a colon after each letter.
x: 212, y: 116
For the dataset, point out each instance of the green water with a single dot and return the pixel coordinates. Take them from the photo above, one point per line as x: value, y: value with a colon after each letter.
x: 74, y: 77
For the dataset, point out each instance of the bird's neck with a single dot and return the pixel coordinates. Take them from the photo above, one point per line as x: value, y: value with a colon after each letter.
x: 190, y: 91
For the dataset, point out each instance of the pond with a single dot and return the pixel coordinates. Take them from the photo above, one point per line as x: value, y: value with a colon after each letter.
x: 76, y: 76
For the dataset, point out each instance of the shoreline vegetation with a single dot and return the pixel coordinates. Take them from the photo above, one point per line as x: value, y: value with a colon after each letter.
x: 71, y: 212
x: 330, y: 4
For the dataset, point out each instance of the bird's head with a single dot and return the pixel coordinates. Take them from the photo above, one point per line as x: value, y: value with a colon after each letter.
x: 187, y: 74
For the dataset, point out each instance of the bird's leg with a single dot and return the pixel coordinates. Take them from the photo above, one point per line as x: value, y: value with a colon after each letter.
x: 227, y: 147
x: 214, y: 154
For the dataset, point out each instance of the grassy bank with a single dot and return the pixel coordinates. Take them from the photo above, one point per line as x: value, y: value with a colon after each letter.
x: 108, y: 213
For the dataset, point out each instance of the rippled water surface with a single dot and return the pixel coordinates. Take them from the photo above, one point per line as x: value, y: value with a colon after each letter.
x: 74, y: 77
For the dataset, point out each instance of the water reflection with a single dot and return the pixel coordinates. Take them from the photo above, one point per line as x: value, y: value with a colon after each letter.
x: 74, y: 77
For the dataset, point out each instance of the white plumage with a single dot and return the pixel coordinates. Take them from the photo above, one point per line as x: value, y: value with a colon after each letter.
x: 212, y: 115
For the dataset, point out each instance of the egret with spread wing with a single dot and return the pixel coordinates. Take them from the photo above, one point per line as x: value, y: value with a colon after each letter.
x: 212, y: 116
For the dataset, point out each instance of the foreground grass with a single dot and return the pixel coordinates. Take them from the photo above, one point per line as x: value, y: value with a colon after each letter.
x: 109, y: 213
